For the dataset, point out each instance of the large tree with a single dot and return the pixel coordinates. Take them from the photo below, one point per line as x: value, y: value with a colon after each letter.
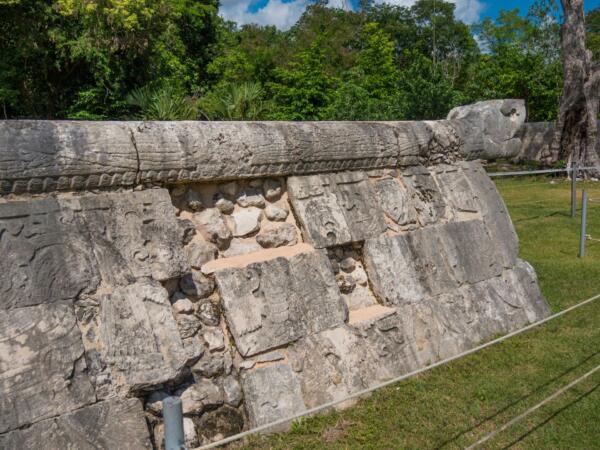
x: 576, y: 126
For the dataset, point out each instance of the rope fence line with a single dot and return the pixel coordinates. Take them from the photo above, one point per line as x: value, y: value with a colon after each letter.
x: 538, y: 172
x: 532, y: 409
x: 363, y: 392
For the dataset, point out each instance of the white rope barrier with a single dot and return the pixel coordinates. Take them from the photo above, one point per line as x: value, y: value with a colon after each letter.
x: 363, y: 392
x: 532, y: 409
x: 538, y: 172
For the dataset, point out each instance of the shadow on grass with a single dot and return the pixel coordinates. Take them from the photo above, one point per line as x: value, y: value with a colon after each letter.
x: 510, y: 405
x: 556, y: 413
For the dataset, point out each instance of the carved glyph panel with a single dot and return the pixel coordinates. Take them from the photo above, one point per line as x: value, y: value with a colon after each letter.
x: 42, y: 369
x: 271, y: 303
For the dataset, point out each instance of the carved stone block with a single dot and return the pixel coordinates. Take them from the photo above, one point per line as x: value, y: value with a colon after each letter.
x: 494, y: 212
x: 358, y: 202
x: 469, y: 251
x: 42, y: 369
x: 407, y: 268
x: 114, y: 424
x: 336, y: 209
x: 271, y: 392
x: 346, y: 359
x: 455, y: 188
x: 219, y: 150
x: 426, y: 197
x: 137, y: 338
x: 322, y: 220
x: 395, y: 200
x: 430, y: 261
x: 529, y: 293
x: 274, y: 302
x: 135, y: 235
x: 46, y: 156
x: 46, y: 254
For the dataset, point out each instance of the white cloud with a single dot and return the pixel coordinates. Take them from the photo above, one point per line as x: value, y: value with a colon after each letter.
x: 468, y: 11
x: 284, y: 15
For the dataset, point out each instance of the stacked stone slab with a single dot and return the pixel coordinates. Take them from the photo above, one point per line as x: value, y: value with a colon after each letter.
x: 369, y: 250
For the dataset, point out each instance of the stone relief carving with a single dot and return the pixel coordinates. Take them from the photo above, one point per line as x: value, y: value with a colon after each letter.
x: 152, y: 293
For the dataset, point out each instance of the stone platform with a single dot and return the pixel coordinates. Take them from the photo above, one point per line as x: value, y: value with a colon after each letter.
x: 254, y: 269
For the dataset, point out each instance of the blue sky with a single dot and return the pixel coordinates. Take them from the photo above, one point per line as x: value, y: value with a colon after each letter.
x: 491, y: 8
x: 284, y: 13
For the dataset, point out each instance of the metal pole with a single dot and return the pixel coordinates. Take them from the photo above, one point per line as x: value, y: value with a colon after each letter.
x: 582, y: 237
x: 573, y: 189
x: 173, y: 417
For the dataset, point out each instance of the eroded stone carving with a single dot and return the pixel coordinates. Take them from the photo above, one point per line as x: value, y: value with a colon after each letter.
x: 410, y: 267
x: 320, y: 215
x: 113, y: 424
x: 396, y: 202
x: 420, y: 264
x: 46, y: 254
x: 334, y: 363
x: 46, y: 156
x: 489, y: 129
x: 272, y: 392
x: 274, y: 302
x: 42, y: 369
x: 494, y: 213
x: 137, y: 340
x: 455, y: 188
x: 425, y: 195
x: 135, y: 235
x: 336, y: 209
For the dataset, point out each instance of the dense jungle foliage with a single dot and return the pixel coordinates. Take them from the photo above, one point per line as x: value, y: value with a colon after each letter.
x: 177, y: 59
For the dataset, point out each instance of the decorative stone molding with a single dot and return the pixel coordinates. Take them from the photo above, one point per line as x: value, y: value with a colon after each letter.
x: 46, y: 156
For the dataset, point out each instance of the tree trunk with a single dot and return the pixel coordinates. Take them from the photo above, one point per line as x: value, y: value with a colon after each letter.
x: 576, y: 128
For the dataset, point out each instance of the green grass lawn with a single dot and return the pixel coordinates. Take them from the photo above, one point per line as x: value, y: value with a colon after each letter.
x: 455, y: 405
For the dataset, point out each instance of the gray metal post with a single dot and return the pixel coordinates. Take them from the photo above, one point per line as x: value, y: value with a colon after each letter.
x: 173, y: 417
x: 574, y: 190
x: 582, y: 237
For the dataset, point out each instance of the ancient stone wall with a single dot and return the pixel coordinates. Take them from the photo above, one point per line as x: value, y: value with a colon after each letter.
x: 252, y: 297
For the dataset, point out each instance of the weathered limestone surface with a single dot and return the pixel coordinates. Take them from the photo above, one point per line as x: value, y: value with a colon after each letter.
x: 55, y: 250
x: 45, y: 254
x: 114, y: 424
x: 138, y: 337
x: 493, y: 211
x: 490, y: 128
x: 42, y: 369
x: 336, y: 209
x: 58, y: 251
x: 274, y: 394
x: 46, y: 156
x: 395, y: 201
x: 337, y: 362
x: 407, y: 268
x: 425, y: 195
x: 251, y: 298
x: 135, y: 235
x: 275, y: 302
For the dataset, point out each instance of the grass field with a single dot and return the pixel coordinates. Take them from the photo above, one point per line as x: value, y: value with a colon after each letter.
x: 455, y: 405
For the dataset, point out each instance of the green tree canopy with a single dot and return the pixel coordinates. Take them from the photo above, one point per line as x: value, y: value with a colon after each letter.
x: 80, y: 58
x: 303, y: 90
